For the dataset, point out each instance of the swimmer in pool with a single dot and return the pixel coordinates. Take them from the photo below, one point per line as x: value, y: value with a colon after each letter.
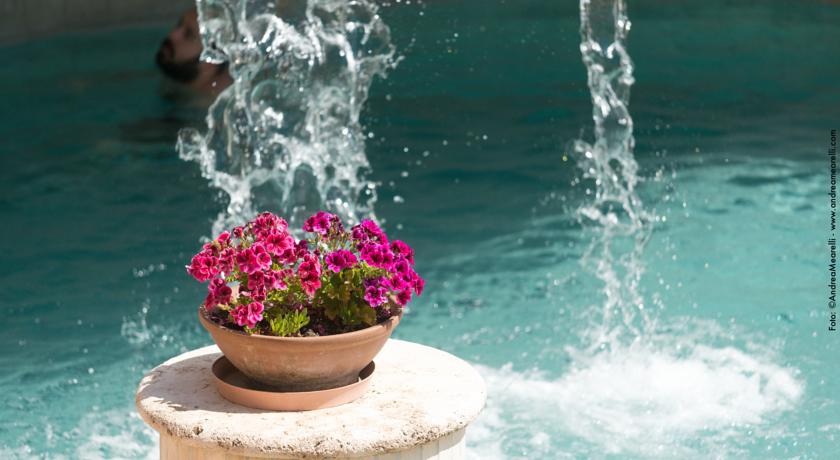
x: 178, y: 59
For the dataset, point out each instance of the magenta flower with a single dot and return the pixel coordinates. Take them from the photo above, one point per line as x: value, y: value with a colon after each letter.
x: 278, y: 243
x: 210, y: 249
x: 294, y: 252
x: 274, y: 272
x: 419, y: 284
x: 203, y: 267
x: 249, y: 315
x: 309, y: 272
x: 323, y: 223
x: 246, y: 260
x: 402, y: 268
x: 253, y: 259
x: 403, y: 297
x: 339, y: 260
x: 267, y: 223
x: 256, y: 281
x: 217, y: 293
x: 368, y: 231
x: 262, y: 256
x: 377, y: 255
x: 276, y: 279
x: 376, y: 291
x: 401, y: 249
x: 257, y: 294
x: 227, y: 260
x: 223, y: 239
x: 220, y: 290
x: 302, y: 248
x: 255, y: 313
x: 404, y: 278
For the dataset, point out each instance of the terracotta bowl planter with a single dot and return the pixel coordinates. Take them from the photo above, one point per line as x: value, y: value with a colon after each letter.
x: 301, y: 363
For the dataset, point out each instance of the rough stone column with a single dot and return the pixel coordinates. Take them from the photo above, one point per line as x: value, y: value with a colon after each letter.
x: 419, y: 405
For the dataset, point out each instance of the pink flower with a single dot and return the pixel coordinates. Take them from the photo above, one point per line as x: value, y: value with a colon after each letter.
x: 217, y: 293
x: 368, y: 231
x: 220, y: 290
x: 402, y: 268
x: 404, y: 279
x: 258, y: 294
x: 322, y: 223
x: 291, y: 254
x: 256, y: 281
x: 249, y: 315
x: 262, y: 255
x: 403, y: 297
x: 210, y: 249
x: 339, y: 260
x: 377, y: 255
x: 255, y: 313
x: 402, y: 250
x: 240, y: 315
x: 223, y: 238
x: 309, y: 272
x: 253, y: 259
x: 267, y: 223
x: 301, y: 249
x: 203, y: 266
x: 376, y: 292
x: 277, y: 279
x: 227, y: 260
x: 419, y: 284
x: 278, y: 243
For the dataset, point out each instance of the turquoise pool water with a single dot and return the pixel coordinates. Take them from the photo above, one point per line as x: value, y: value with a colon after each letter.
x: 732, y: 108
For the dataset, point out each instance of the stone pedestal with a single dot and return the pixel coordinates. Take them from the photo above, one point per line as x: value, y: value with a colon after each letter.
x: 418, y: 407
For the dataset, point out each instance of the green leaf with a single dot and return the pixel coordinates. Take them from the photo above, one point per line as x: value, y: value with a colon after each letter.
x: 288, y: 323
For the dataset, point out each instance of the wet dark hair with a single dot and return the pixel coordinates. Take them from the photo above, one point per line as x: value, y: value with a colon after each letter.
x: 182, y: 72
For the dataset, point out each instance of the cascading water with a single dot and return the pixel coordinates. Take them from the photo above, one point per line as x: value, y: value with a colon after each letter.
x: 639, y: 386
x: 674, y: 385
x: 619, y: 219
x: 285, y: 136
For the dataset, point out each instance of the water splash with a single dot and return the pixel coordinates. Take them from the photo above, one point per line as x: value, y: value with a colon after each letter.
x: 617, y: 217
x: 708, y: 403
x: 285, y: 136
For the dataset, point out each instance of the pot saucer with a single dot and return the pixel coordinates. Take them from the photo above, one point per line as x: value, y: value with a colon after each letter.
x: 234, y: 386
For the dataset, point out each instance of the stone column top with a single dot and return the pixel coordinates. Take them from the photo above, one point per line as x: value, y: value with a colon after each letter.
x: 417, y: 394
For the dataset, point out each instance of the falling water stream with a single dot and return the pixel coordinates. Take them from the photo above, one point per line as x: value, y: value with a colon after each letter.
x: 285, y: 136
x: 637, y: 387
x: 621, y: 223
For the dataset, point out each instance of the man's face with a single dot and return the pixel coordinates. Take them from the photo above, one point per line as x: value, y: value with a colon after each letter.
x: 179, y: 52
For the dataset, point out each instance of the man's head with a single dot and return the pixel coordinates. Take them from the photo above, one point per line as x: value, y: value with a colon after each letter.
x: 178, y: 57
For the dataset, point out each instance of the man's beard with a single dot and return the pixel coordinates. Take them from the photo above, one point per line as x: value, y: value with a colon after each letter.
x: 182, y: 72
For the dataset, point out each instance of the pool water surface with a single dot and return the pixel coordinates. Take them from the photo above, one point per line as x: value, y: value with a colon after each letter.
x: 470, y: 145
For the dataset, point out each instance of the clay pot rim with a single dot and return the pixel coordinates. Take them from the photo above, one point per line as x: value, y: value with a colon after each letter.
x: 367, y: 332
x: 286, y: 401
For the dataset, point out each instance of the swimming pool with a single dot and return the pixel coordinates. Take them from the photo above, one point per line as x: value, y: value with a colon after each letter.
x: 732, y: 108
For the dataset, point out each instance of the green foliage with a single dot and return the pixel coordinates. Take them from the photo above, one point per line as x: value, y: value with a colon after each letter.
x: 342, y: 297
x: 286, y: 323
